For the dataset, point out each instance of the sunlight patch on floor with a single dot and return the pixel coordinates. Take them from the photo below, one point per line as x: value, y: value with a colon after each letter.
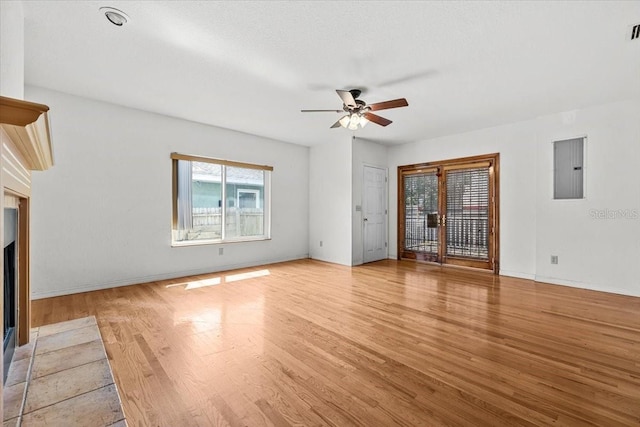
x: 244, y: 276
x: 196, y: 284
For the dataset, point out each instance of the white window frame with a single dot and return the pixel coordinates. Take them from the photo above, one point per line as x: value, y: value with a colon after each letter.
x: 266, y: 205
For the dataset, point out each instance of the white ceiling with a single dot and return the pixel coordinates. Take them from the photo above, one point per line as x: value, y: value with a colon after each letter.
x: 251, y: 66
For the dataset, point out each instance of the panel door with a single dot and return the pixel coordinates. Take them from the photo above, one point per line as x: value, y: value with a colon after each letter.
x: 374, y: 211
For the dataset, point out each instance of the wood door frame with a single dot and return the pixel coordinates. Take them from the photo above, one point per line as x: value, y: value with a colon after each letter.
x: 23, y: 280
x: 423, y: 168
x: 494, y: 207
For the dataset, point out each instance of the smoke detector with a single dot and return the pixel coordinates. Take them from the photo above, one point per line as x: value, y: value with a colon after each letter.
x: 115, y: 16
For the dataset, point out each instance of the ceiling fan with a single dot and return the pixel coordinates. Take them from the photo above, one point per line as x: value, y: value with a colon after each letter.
x: 359, y: 113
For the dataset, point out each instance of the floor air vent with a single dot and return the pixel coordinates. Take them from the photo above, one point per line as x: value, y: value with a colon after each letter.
x: 635, y: 32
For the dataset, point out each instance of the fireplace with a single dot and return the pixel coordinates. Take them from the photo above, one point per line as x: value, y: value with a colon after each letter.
x: 10, y: 312
x: 25, y: 146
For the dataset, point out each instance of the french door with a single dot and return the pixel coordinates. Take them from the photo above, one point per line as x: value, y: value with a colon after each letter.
x: 448, y: 212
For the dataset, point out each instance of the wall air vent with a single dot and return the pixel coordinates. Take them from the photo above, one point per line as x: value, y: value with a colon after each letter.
x: 635, y: 32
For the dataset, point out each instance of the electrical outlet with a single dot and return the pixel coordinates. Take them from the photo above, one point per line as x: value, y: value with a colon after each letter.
x: 220, y: 251
x: 554, y: 259
x: 320, y: 243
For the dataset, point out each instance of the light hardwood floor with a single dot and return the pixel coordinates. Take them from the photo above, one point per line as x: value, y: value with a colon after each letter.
x: 387, y: 343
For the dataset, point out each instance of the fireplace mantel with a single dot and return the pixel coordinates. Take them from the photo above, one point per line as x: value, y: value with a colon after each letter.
x: 25, y: 146
x: 27, y: 126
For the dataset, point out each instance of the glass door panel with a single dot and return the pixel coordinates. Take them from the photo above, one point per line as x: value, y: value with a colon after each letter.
x: 467, y: 213
x: 421, y: 216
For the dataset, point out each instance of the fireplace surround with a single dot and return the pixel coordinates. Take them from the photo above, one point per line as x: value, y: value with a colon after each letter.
x: 25, y: 143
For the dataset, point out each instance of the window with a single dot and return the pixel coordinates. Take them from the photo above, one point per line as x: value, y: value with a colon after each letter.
x: 568, y: 174
x: 217, y: 201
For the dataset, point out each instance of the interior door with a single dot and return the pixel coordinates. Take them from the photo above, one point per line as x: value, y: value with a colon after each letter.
x: 447, y: 212
x: 374, y: 214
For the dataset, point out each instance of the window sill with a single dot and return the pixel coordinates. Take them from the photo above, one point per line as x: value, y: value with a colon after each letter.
x: 216, y: 242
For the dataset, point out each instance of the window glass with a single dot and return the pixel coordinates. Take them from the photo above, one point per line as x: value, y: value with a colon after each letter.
x: 217, y: 202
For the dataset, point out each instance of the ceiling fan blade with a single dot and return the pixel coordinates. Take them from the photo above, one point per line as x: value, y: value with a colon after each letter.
x: 395, y: 103
x: 321, y: 111
x: 337, y: 124
x: 377, y: 119
x: 347, y: 97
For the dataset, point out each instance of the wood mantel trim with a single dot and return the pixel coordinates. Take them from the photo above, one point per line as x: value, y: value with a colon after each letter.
x: 27, y: 125
x: 20, y: 113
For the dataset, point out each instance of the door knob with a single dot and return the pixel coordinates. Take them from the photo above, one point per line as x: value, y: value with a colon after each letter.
x: 366, y: 219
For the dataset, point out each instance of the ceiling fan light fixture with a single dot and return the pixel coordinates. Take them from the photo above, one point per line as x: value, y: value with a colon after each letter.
x: 115, y: 16
x: 354, y: 121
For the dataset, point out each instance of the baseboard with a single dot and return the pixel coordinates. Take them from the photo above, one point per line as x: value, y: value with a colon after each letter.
x: 156, y: 277
x: 588, y: 286
x: 517, y: 274
x: 330, y: 261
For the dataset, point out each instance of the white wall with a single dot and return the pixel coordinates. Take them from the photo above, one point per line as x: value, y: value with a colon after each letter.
x: 330, y: 204
x: 11, y: 49
x: 594, y: 254
x: 101, y: 216
x: 365, y: 153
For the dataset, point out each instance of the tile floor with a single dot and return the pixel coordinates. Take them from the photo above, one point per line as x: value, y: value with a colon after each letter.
x: 62, y: 378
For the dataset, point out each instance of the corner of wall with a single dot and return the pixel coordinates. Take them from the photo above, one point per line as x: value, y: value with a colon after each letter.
x: 330, y: 189
x: 11, y: 49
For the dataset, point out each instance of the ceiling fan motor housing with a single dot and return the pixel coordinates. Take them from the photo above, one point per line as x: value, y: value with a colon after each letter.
x: 360, y: 106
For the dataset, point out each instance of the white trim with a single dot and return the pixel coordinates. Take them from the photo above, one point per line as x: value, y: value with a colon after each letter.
x: 223, y: 202
x: 517, y: 274
x: 204, y: 242
x: 267, y: 202
x: 582, y: 285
